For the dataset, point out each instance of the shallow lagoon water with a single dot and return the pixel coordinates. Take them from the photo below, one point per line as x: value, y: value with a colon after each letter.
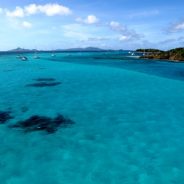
x: 128, y: 115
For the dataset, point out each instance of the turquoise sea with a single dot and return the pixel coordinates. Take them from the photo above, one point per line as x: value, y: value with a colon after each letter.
x: 128, y: 119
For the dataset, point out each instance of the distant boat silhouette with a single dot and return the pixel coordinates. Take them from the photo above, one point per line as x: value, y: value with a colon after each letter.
x: 53, y: 54
x: 23, y: 58
x: 36, y: 56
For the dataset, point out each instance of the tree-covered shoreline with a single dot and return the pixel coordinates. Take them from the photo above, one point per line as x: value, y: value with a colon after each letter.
x: 173, y: 54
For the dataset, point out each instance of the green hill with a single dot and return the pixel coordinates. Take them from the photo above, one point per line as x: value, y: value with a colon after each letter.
x: 148, y: 50
x: 173, y: 54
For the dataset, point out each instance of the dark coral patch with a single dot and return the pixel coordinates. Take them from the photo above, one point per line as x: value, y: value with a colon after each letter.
x: 8, y: 70
x: 45, y: 79
x: 5, y: 116
x: 44, y: 84
x: 41, y: 123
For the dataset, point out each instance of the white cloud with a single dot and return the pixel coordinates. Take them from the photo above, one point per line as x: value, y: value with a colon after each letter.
x: 26, y: 24
x: 179, y: 27
x: 18, y: 12
x: 124, y: 38
x: 117, y: 26
x: 32, y: 9
x: 54, y: 9
x: 125, y: 33
x: 90, y: 19
x: 176, y: 27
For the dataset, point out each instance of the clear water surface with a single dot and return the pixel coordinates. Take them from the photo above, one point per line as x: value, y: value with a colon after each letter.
x: 128, y: 114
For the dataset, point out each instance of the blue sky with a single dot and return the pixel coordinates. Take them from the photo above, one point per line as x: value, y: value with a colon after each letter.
x: 117, y: 24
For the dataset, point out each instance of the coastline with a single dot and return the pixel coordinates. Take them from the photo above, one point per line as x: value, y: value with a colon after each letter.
x: 163, y: 60
x: 173, y: 55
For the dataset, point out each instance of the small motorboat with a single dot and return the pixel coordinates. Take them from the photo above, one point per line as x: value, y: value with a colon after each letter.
x: 23, y: 58
x: 36, y: 56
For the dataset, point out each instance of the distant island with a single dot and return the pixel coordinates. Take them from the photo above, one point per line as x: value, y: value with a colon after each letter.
x: 173, y: 54
x: 19, y: 49
x: 87, y: 49
x: 80, y: 49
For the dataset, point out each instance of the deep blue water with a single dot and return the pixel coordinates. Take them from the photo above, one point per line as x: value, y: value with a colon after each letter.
x: 128, y: 114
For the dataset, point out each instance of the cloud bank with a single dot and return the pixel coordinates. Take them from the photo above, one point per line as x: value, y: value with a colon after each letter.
x: 32, y: 9
x: 126, y: 34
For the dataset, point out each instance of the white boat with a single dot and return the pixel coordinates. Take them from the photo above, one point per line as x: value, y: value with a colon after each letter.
x: 23, y: 58
x: 53, y: 55
x: 36, y: 56
x: 133, y: 56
